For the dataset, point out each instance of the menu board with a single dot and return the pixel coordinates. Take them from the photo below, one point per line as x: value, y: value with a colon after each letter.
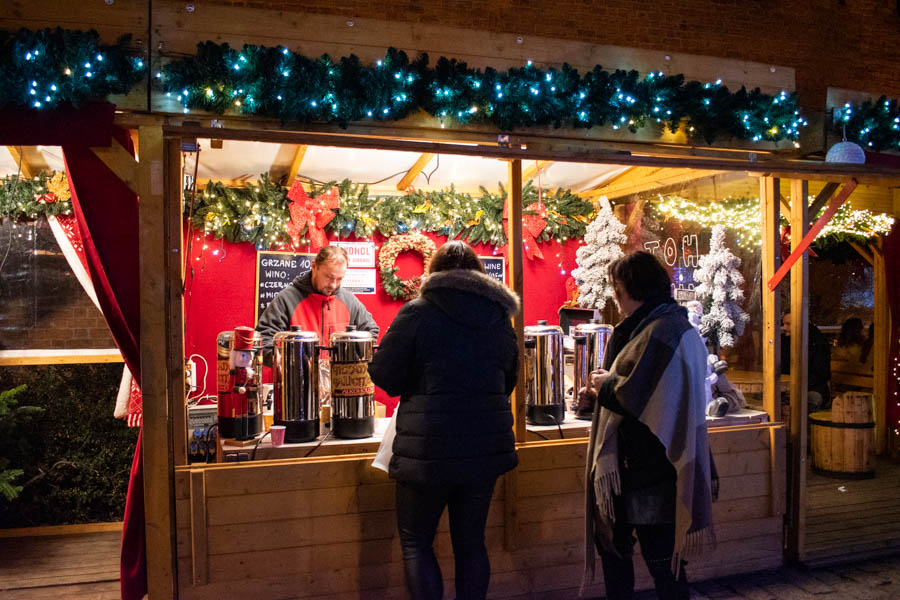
x: 275, y: 271
x: 495, y: 266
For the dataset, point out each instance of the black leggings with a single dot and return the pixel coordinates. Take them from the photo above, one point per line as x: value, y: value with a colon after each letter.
x: 419, y: 509
x: 657, y: 544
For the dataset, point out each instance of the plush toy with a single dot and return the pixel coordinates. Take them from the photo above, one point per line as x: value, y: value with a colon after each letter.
x: 721, y: 396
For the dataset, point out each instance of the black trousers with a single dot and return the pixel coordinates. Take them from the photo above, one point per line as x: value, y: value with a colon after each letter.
x: 657, y: 545
x: 419, y: 509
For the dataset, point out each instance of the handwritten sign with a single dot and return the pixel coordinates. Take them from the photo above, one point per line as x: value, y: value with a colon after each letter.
x: 275, y: 271
x: 495, y: 266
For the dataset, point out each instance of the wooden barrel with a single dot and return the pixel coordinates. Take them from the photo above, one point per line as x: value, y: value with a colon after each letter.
x: 843, y: 438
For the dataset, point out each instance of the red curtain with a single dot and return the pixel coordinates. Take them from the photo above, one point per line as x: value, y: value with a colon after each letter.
x: 107, y: 214
x: 891, y: 250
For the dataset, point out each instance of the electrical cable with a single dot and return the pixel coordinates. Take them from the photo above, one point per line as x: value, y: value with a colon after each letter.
x: 199, y: 396
x: 316, y: 447
x: 538, y: 433
x: 256, y: 445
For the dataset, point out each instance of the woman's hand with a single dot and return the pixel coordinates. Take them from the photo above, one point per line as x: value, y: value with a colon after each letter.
x: 598, y: 377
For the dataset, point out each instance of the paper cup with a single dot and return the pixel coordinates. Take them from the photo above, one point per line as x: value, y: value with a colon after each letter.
x: 277, y: 432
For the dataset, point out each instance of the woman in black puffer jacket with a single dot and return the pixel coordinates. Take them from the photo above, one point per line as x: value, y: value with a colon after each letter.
x: 451, y: 356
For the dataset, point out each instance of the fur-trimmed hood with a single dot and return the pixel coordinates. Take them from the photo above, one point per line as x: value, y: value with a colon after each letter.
x: 470, y: 297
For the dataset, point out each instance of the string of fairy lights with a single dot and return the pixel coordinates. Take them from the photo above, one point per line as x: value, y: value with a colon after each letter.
x: 44, y: 69
x: 742, y: 216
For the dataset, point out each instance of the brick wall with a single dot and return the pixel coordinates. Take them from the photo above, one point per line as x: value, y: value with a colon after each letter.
x: 852, y: 44
x: 42, y: 305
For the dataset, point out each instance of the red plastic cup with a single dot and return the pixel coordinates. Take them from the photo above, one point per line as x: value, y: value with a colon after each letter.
x: 277, y: 432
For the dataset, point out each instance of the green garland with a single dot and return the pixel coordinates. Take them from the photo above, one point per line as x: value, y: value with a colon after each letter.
x: 276, y: 82
x: 259, y: 213
x: 46, y: 68
x: 874, y: 125
x: 49, y: 67
x: 23, y: 199
x: 742, y: 216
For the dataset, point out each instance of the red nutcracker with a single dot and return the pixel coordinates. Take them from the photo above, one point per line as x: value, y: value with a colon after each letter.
x: 244, y: 381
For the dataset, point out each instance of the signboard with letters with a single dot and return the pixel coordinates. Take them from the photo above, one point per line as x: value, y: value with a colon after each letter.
x: 495, y: 266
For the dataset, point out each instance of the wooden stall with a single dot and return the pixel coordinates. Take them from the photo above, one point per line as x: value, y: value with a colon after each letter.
x: 323, y: 527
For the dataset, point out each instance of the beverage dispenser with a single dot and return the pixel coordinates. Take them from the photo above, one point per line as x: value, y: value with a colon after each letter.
x: 296, y: 385
x: 352, y: 391
x: 590, y: 348
x: 544, y: 374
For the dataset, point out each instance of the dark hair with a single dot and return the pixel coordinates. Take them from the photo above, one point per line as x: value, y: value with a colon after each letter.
x: 642, y: 275
x: 331, y: 253
x: 851, y: 333
x: 455, y: 255
x: 867, y: 344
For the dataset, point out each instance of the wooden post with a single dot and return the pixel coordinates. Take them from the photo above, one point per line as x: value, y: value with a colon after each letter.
x: 881, y: 349
x: 771, y: 302
x: 514, y: 262
x: 161, y: 364
x: 799, y: 369
x: 175, y: 294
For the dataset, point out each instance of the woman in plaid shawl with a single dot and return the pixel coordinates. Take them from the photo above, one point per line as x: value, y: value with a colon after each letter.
x: 648, y: 463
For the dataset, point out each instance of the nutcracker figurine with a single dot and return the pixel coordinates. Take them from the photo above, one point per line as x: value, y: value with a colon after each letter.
x: 244, y: 380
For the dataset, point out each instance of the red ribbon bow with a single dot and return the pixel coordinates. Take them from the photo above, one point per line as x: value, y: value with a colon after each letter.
x: 532, y: 226
x: 312, y: 214
x: 786, y: 244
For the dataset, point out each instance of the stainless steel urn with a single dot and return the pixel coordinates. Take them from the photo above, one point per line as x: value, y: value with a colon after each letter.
x: 590, y: 347
x: 544, y: 374
x: 352, y: 390
x: 296, y: 389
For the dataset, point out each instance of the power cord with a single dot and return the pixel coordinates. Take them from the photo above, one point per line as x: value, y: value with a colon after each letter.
x: 256, y: 445
x: 316, y: 447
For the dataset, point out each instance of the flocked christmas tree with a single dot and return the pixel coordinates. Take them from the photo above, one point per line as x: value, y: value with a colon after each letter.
x: 602, y: 240
x: 720, y: 292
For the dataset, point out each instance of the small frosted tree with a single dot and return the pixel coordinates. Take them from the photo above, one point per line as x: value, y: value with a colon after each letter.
x: 602, y: 240
x: 720, y: 292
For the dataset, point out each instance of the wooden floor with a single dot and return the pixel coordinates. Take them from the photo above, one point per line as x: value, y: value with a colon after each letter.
x: 848, y: 520
x: 76, y: 567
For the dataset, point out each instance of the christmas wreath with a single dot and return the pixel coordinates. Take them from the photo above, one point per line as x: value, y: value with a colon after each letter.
x: 403, y: 289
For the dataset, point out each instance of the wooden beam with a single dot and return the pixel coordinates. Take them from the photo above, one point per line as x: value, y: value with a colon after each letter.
x: 121, y: 163
x: 833, y: 206
x: 771, y: 301
x: 414, y: 171
x: 626, y: 178
x: 18, y: 155
x: 594, y: 154
x: 655, y: 178
x: 823, y: 197
x: 158, y: 262
x: 295, y: 163
x: 799, y: 372
x: 514, y: 262
x: 534, y: 169
x: 881, y: 349
x: 861, y: 250
x: 782, y: 203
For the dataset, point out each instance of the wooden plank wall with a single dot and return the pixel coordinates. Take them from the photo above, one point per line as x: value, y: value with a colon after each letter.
x: 325, y: 528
